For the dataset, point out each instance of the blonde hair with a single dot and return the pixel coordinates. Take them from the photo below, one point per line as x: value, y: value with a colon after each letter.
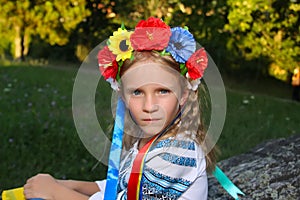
x: 191, y: 115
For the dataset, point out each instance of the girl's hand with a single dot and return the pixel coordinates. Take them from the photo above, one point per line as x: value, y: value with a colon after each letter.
x: 41, y: 186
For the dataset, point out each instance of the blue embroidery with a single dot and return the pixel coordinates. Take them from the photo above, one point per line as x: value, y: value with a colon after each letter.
x: 164, y: 183
x: 124, y: 196
x: 159, y: 186
x: 152, y: 192
x: 178, y: 160
x: 176, y: 143
x: 158, y: 175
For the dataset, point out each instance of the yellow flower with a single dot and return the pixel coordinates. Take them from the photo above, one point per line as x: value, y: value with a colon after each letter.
x: 120, y: 44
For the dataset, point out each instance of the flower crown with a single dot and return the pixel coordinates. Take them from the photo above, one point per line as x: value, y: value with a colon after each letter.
x: 153, y: 34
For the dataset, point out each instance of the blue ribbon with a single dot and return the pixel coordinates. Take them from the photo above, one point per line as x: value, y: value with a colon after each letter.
x: 227, y: 184
x: 115, y: 152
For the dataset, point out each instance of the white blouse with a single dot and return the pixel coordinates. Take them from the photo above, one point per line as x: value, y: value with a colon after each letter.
x: 174, y: 168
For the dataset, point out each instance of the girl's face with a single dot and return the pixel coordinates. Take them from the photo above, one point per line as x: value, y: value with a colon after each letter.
x: 153, y: 96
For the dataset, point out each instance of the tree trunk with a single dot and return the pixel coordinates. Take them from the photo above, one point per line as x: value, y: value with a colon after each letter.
x: 26, y: 42
x: 19, y: 44
x: 18, y: 48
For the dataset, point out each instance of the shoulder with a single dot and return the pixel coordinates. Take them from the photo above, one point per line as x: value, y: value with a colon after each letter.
x: 173, y: 165
x: 182, y: 146
x: 178, y: 152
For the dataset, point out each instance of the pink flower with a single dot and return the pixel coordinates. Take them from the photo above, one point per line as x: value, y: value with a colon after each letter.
x: 196, y: 64
x: 152, y: 34
x: 108, y: 65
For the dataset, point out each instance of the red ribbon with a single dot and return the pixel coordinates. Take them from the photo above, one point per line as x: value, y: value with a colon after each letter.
x: 134, y: 190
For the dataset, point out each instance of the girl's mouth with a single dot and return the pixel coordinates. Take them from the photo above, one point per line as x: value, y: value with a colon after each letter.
x: 150, y: 120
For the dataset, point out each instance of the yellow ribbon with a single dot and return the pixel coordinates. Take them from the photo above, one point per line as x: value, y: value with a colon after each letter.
x: 13, y: 194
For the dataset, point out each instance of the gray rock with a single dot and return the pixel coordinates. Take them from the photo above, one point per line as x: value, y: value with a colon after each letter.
x: 271, y: 170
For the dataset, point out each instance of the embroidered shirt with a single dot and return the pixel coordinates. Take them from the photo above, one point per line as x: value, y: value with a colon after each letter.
x: 174, y: 169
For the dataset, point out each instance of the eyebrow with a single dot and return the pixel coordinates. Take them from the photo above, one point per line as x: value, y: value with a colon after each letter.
x: 171, y: 88
x: 131, y: 89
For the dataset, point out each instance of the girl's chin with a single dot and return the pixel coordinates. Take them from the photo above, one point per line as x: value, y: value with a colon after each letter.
x: 150, y: 131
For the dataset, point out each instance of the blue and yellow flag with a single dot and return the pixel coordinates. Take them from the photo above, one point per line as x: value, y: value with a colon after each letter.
x: 15, y: 194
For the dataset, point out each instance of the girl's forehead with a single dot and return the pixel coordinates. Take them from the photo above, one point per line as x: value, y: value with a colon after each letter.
x: 150, y: 73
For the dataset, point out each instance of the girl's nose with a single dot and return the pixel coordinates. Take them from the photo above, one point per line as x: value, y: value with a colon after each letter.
x: 150, y: 104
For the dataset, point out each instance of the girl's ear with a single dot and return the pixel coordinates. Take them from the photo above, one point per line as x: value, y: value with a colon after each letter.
x: 184, y: 97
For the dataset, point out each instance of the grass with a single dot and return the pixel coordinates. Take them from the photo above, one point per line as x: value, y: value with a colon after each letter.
x: 258, y: 109
x: 38, y: 133
x: 252, y: 119
x: 37, y: 129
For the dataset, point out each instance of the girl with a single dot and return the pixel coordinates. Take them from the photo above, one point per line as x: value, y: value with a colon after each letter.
x: 156, y: 71
x: 159, y: 71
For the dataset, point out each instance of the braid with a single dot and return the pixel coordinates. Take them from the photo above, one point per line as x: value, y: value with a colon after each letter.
x: 193, y: 119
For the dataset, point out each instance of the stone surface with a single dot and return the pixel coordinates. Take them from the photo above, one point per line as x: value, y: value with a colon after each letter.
x: 271, y: 170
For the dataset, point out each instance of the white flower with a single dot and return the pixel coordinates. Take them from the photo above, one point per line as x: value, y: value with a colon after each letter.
x: 193, y: 84
x: 53, y: 103
x: 113, y: 84
x: 245, y: 101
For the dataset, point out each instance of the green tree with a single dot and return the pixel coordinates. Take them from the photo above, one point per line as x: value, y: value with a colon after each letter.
x: 130, y: 12
x: 205, y: 19
x: 97, y: 27
x: 267, y: 29
x: 53, y: 21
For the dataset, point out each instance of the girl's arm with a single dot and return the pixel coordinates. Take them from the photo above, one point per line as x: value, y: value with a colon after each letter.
x: 83, y: 187
x: 46, y: 187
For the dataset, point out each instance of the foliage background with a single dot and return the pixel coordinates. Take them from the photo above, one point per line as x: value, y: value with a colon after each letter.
x: 259, y: 37
x: 251, y: 42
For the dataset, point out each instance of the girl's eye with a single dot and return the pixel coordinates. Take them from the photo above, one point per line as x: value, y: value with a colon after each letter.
x: 164, y: 91
x: 136, y: 92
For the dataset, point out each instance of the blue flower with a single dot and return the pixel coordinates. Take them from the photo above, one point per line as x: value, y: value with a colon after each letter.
x: 181, y: 45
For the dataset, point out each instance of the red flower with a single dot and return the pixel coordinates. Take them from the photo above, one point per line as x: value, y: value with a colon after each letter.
x: 152, y: 34
x: 196, y: 64
x: 107, y: 63
x: 152, y: 22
